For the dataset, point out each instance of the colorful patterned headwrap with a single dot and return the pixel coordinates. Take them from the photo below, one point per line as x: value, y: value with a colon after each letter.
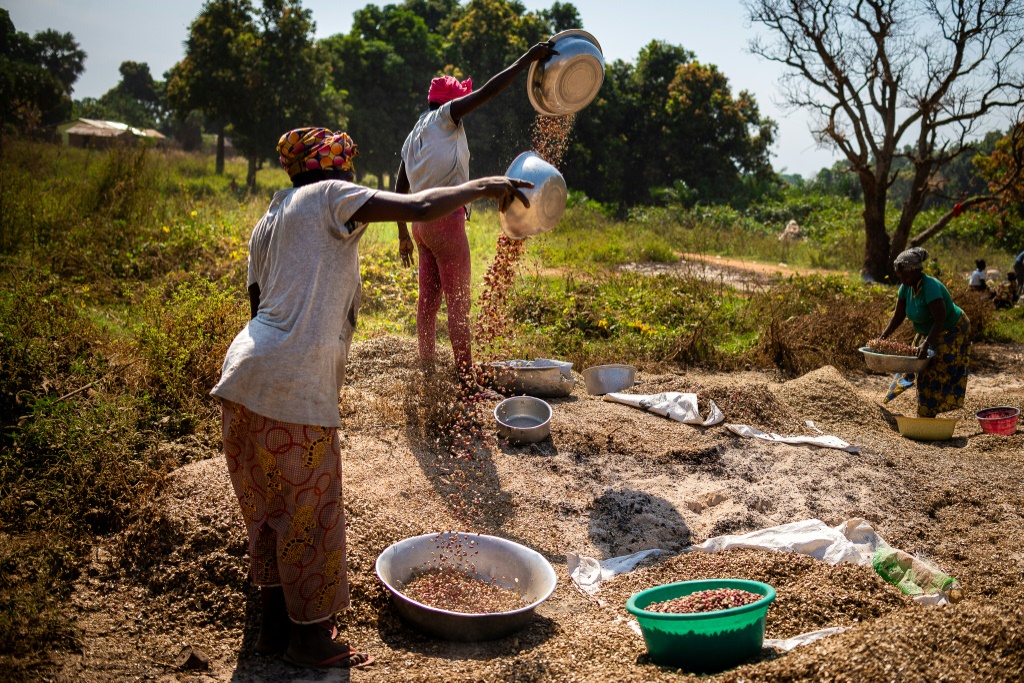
x: 447, y: 88
x: 307, y: 149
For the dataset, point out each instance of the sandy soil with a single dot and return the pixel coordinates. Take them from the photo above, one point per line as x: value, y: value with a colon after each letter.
x: 611, y: 480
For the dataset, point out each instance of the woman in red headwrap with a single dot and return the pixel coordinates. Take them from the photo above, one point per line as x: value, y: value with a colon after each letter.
x: 436, y: 154
x: 280, y: 379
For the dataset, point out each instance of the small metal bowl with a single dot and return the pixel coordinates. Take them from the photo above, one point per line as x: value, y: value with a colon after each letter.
x: 523, y: 419
x: 509, y: 564
x: 567, y: 82
x: 607, y: 379
x: 547, y: 198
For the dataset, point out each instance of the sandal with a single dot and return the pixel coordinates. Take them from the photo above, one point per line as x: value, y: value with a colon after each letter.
x: 350, y: 659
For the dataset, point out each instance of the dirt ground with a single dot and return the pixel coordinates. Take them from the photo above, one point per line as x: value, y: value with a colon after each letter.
x: 611, y: 480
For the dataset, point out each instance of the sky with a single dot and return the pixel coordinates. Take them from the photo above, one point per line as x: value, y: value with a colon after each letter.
x: 153, y: 31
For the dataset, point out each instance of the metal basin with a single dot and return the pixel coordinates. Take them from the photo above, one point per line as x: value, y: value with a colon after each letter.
x: 534, y: 378
x: 881, y: 362
x: 495, y: 558
x: 564, y: 366
x: 607, y: 379
x: 547, y: 198
x: 523, y: 419
x: 567, y: 82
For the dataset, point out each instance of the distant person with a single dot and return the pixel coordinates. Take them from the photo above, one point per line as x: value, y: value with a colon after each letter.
x: 1006, y: 292
x: 280, y: 380
x: 1018, y: 268
x: 941, y: 327
x: 436, y: 154
x: 977, y: 281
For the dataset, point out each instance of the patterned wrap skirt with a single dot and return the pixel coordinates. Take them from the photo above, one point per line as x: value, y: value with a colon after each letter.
x: 287, y: 478
x: 942, y: 386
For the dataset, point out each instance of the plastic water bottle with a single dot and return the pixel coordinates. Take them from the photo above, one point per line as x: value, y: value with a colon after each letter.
x: 913, y: 575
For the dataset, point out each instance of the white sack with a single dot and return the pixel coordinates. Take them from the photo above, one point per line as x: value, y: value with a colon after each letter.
x: 825, y: 441
x: 588, y: 573
x: 679, y: 407
x: 802, y: 639
x: 808, y: 537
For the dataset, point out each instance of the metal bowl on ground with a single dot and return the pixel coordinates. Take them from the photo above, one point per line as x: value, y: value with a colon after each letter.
x: 567, y: 82
x: 882, y: 362
x: 564, y: 366
x: 523, y: 419
x: 534, y: 378
x: 547, y: 198
x: 496, y: 559
x: 926, y: 428
x: 607, y: 379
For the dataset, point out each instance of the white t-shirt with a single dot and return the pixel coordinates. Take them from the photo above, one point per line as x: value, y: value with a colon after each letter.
x: 436, y: 152
x: 289, y: 361
x: 977, y: 279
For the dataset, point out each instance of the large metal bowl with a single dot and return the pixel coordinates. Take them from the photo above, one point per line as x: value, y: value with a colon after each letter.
x: 523, y: 419
x: 534, y: 378
x: 607, y: 379
x: 567, y: 82
x: 509, y: 564
x: 547, y: 198
x: 881, y: 362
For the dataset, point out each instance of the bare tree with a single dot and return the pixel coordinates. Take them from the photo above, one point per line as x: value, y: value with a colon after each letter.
x: 896, y: 78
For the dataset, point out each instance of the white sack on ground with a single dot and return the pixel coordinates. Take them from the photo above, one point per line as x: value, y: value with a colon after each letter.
x: 825, y: 441
x: 588, y: 573
x: 679, y: 407
x: 808, y: 537
x: 802, y: 639
x: 775, y: 643
x: 853, y: 541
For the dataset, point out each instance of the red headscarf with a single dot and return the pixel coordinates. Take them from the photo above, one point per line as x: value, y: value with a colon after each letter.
x: 448, y: 88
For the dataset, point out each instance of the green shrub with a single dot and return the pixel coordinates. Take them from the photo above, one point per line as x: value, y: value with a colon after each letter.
x: 46, y: 344
x: 184, y: 325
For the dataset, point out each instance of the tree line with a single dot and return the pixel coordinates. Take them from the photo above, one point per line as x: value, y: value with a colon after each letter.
x: 899, y: 87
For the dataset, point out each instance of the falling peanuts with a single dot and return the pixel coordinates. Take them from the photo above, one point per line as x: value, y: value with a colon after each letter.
x: 551, y: 137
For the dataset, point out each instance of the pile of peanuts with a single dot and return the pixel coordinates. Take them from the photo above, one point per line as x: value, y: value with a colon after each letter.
x: 891, y: 348
x: 705, y: 601
x: 456, y: 591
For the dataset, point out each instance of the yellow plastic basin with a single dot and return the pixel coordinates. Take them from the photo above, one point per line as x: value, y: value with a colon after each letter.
x: 927, y: 428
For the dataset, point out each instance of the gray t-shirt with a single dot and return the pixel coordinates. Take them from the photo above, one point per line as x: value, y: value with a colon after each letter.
x: 436, y: 152
x: 289, y: 361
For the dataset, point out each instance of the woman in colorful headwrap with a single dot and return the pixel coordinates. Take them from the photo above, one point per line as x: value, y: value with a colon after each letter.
x: 436, y: 154
x: 280, y: 379
x: 941, y: 327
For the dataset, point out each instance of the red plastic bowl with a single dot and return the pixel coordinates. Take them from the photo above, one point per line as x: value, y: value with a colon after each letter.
x: 1001, y: 420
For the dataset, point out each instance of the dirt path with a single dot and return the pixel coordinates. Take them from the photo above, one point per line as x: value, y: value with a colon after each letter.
x: 756, y: 266
x: 612, y: 480
x: 743, y: 275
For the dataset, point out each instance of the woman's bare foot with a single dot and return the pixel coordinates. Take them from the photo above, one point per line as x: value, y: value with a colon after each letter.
x: 274, y: 622
x: 312, y: 645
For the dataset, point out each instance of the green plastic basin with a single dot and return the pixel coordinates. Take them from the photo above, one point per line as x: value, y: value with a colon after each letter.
x: 703, y: 642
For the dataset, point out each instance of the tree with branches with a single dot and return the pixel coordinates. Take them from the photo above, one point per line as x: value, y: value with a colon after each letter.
x: 887, y: 79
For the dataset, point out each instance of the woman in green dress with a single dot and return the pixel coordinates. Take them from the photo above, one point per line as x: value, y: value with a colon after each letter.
x: 941, y: 327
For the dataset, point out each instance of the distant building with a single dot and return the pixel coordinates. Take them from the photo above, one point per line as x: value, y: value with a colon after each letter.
x: 93, y: 133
